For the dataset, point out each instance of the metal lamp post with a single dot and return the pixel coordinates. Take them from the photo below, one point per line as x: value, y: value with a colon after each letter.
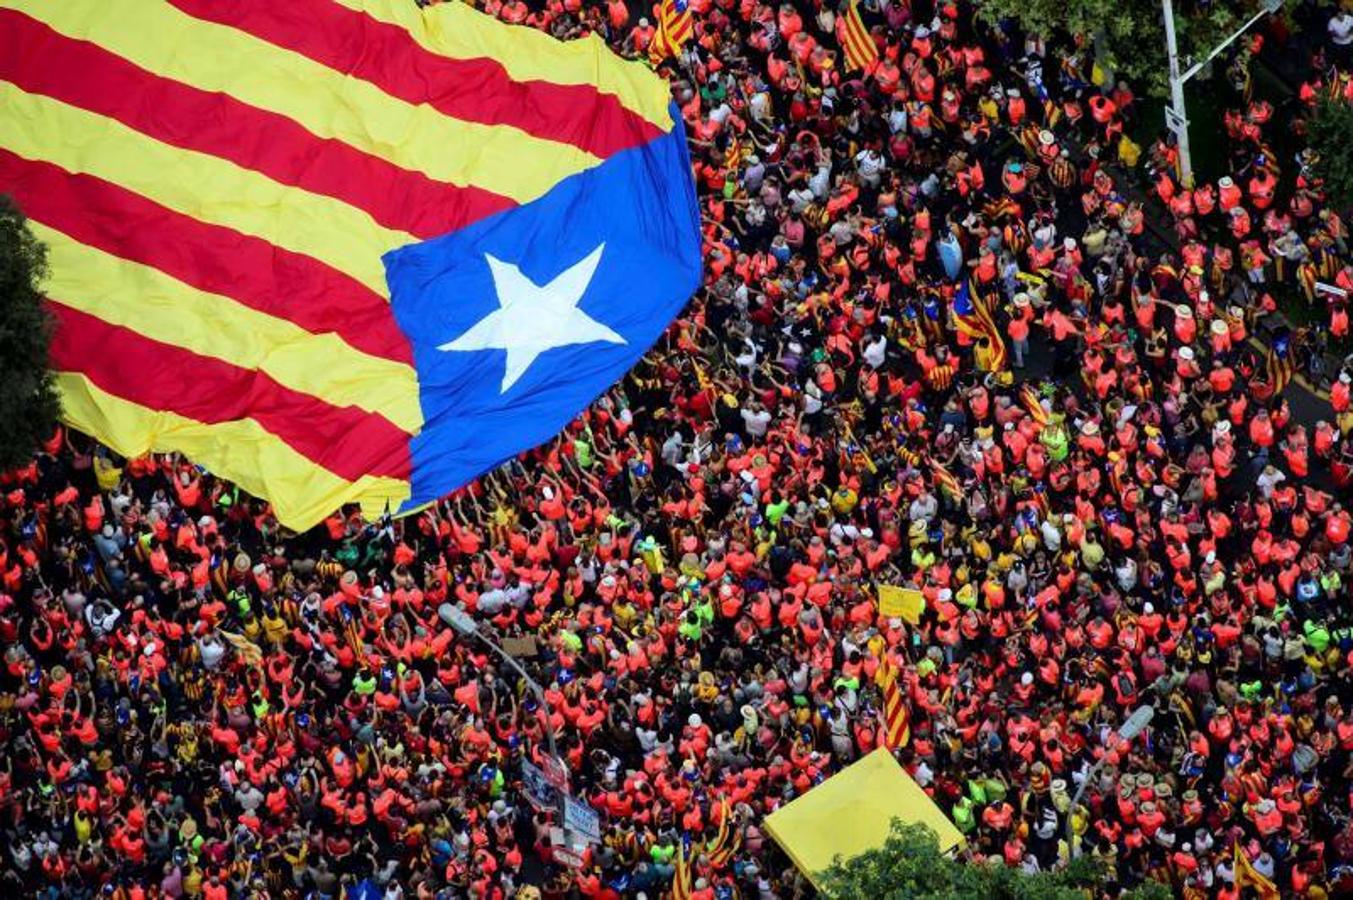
x: 1176, y: 114
x: 464, y: 624
x: 1134, y: 725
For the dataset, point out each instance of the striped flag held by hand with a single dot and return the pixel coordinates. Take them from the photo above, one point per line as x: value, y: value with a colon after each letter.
x: 1278, y: 366
x: 254, y: 212
x: 676, y: 25
x: 860, y: 49
x: 896, y: 722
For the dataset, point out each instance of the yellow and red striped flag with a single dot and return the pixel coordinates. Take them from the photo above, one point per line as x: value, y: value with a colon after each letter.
x: 858, y: 44
x: 896, y: 722
x: 1028, y: 395
x: 217, y: 181
x: 946, y: 481
x: 728, y: 840
x: 1278, y: 367
x: 681, y: 878
x: 676, y: 25
x: 1246, y: 875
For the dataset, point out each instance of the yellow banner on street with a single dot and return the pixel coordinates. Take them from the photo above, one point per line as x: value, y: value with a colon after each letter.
x: 852, y: 812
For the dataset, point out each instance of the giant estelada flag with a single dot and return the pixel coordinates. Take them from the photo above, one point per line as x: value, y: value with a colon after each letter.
x: 339, y: 250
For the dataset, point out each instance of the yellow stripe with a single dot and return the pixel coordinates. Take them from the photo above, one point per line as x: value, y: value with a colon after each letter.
x: 241, y: 451
x: 164, y: 309
x: 197, y: 185
x: 459, y: 31
x: 160, y: 38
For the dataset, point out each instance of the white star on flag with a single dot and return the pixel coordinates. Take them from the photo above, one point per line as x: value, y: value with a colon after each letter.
x: 533, y: 318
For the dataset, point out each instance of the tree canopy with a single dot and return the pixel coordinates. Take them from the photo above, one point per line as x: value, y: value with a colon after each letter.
x: 29, y: 404
x: 1130, y: 33
x: 1330, y: 133
x: 909, y: 866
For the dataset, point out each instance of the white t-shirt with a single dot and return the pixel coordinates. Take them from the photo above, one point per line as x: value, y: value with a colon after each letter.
x: 876, y: 353
x: 757, y: 422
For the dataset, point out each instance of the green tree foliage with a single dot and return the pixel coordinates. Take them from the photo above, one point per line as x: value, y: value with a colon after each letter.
x: 29, y: 404
x: 1330, y: 134
x: 909, y: 866
x: 1129, y: 34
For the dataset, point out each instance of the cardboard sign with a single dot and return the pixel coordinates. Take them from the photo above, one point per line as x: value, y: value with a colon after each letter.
x: 521, y: 647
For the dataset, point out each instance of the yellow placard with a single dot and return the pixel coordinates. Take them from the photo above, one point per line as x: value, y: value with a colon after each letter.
x: 901, y: 603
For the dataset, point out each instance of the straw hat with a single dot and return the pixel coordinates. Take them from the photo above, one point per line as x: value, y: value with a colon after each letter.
x: 1090, y: 429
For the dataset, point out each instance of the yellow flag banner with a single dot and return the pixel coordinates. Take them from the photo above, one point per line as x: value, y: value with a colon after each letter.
x: 902, y: 603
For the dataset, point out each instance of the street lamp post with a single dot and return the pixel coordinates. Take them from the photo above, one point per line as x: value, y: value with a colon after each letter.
x: 464, y: 624
x: 1133, y: 726
x: 1176, y: 115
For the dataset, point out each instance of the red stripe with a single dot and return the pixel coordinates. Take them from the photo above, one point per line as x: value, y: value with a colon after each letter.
x: 854, y: 53
x: 209, y: 257
x: 859, y: 55
x: 472, y: 90
x: 43, y: 61
x: 859, y: 44
x: 345, y: 440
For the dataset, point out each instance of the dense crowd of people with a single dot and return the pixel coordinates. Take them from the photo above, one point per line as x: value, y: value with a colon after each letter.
x: 1105, y: 503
